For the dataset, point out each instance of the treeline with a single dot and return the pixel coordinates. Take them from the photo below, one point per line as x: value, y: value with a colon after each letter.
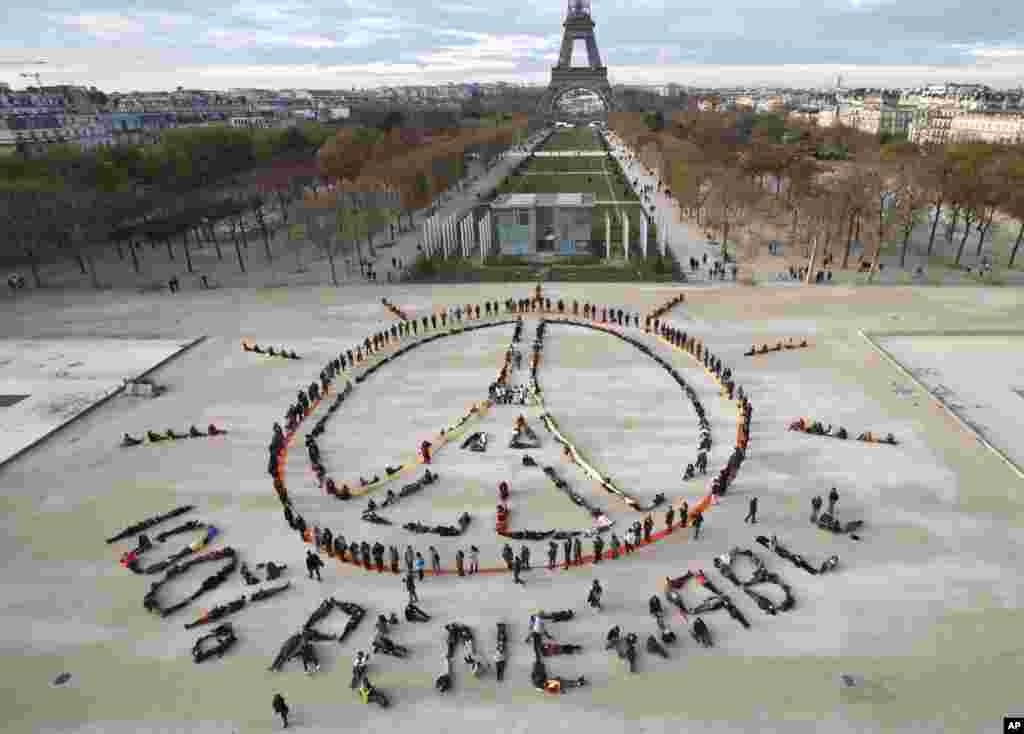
x: 198, y: 182
x: 417, y: 166
x: 829, y: 186
x: 69, y: 201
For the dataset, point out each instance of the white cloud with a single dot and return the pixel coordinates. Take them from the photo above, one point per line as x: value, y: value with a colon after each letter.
x: 227, y: 38
x: 490, y: 53
x: 998, y: 53
x: 106, y: 26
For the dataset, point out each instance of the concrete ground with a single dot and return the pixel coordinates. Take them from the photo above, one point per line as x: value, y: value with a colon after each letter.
x: 979, y: 376
x: 55, y: 380
x: 923, y: 613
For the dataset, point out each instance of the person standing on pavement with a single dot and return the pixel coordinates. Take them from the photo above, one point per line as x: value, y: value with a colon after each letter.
x: 517, y: 569
x: 752, y: 512
x: 833, y: 497
x: 313, y: 564
x: 698, y: 522
x: 410, y: 558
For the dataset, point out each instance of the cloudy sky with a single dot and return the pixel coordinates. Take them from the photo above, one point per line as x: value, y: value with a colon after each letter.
x: 217, y: 44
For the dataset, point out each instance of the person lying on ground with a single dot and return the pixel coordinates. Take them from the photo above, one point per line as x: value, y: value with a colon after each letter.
x: 538, y: 674
x: 212, y: 430
x: 413, y: 613
x: 558, y: 685
x: 154, y: 437
x: 628, y: 651
x: 310, y: 663
x: 549, y: 649
x: 564, y: 615
x: 655, y: 648
x: 701, y: 633
x: 654, y: 607
x: 387, y: 646
x: 359, y: 665
x: 247, y: 575
x: 443, y: 683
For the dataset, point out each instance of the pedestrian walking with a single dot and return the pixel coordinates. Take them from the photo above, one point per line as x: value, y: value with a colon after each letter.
x: 410, y: 586
x: 833, y: 497
x: 594, y: 597
x: 577, y: 550
x: 281, y: 708
x: 815, y: 508
x: 410, y: 558
x: 567, y: 548
x: 508, y: 556
x: 552, y: 555
x: 394, y: 558
x: 752, y: 512
x: 670, y: 518
x: 313, y: 565
x: 420, y: 566
x: 684, y: 513
x: 460, y: 558
x: 435, y: 560
x: 524, y: 553
x: 698, y: 522
x: 517, y: 568
x: 474, y: 559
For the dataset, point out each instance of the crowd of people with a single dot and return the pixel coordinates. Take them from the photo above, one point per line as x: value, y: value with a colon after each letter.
x: 817, y: 428
x: 127, y: 440
x: 779, y: 346
x: 270, y: 351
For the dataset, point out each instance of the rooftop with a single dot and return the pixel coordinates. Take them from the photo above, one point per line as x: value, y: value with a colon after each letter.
x: 523, y: 201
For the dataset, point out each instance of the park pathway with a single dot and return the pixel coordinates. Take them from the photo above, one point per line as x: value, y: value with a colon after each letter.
x: 460, y: 202
x: 684, y: 239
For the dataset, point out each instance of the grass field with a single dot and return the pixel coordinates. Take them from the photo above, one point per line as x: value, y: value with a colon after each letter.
x: 569, y: 175
x: 545, y: 165
x: 577, y: 138
x: 603, y: 186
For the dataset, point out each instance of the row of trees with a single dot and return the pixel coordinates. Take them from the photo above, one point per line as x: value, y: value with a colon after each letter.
x: 217, y: 185
x: 196, y: 180
x: 416, y: 167
x: 736, y: 170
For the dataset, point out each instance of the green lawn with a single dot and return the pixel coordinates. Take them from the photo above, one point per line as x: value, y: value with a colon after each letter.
x: 577, y: 138
x: 583, y: 163
x: 601, y: 185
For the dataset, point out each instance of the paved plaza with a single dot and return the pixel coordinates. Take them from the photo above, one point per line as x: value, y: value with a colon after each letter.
x: 921, y: 615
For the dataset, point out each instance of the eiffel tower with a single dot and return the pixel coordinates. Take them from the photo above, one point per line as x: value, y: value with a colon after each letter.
x: 564, y: 77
